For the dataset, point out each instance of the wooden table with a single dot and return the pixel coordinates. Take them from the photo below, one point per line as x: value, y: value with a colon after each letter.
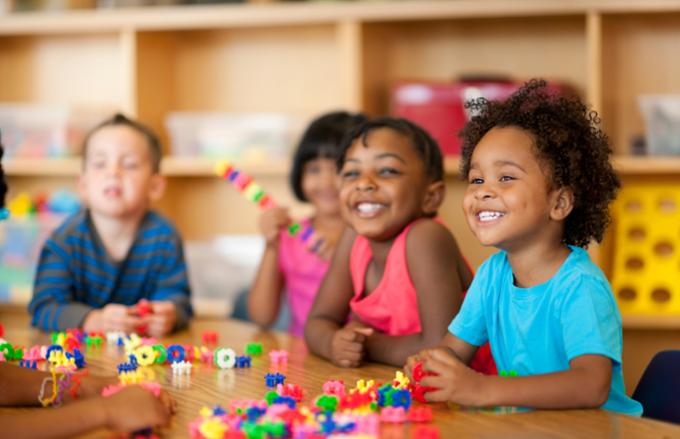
x: 208, y: 386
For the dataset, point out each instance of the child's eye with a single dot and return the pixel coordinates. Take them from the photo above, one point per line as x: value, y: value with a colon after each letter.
x: 131, y: 165
x: 386, y: 172
x: 97, y: 164
x: 349, y: 174
x: 507, y: 178
x: 476, y: 181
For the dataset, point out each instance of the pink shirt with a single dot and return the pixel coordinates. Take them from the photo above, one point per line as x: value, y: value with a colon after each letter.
x: 303, y: 272
x: 392, y: 307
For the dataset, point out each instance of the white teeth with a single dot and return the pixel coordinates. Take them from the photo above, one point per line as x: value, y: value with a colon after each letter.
x: 368, y: 207
x: 489, y: 216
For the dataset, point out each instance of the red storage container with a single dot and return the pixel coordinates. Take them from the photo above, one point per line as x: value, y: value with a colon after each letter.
x: 439, y: 107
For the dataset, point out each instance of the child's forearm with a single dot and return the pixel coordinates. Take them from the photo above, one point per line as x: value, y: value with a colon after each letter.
x: 319, y: 334
x: 264, y: 297
x: 395, y: 350
x: 50, y: 315
x: 66, y: 421
x: 570, y: 389
x: 20, y: 386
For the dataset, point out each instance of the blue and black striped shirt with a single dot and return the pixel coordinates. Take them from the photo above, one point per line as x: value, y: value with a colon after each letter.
x: 75, y: 273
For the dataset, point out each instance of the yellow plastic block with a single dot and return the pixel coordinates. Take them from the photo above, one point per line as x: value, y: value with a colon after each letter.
x: 646, y: 270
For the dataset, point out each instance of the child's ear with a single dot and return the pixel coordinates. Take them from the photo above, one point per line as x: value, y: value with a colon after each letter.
x: 157, y: 187
x: 563, y: 203
x: 434, y: 197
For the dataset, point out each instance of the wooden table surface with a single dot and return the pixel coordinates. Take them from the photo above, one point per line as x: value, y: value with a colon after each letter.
x: 209, y: 386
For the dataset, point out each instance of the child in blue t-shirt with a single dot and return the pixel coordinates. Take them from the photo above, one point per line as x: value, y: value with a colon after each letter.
x: 539, y: 184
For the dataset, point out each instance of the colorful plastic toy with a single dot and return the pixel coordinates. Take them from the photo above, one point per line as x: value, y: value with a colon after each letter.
x: 272, y: 379
x: 225, y: 358
x: 242, y: 361
x: 255, y: 193
x: 175, y: 353
x: 278, y: 357
x: 181, y: 368
x: 209, y: 337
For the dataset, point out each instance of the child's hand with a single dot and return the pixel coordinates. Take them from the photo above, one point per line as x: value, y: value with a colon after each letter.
x: 112, y: 317
x: 162, y: 319
x: 92, y: 385
x: 347, y: 346
x: 322, y: 246
x: 271, y: 222
x: 134, y: 408
x: 454, y: 380
x: 410, y: 364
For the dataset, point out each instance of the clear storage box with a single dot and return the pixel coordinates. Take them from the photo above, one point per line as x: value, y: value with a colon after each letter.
x: 253, y: 137
x: 662, y: 123
x: 44, y: 131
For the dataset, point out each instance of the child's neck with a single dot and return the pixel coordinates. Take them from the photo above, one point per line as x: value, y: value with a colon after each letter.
x: 117, y: 234
x: 537, y: 264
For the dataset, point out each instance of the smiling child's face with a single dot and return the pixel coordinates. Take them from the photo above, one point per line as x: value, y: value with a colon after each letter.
x: 508, y: 201
x: 383, y: 185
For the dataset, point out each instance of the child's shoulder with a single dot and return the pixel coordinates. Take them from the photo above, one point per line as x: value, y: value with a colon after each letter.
x: 74, y: 224
x: 581, y: 278
x: 156, y: 224
x: 579, y: 267
x: 430, y: 236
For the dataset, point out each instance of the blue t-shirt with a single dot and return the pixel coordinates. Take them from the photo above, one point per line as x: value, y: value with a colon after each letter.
x: 538, y: 330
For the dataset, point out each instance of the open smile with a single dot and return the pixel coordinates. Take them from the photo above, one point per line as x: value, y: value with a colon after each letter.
x: 487, y: 216
x: 366, y: 209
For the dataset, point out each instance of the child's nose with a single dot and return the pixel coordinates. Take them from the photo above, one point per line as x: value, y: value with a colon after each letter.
x: 114, y: 169
x: 365, y: 184
x: 484, y: 191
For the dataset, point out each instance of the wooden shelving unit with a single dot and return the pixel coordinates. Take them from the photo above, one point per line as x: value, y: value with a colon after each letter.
x: 651, y: 322
x: 302, y: 59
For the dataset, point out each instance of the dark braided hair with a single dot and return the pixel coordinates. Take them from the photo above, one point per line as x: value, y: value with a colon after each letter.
x: 568, y: 142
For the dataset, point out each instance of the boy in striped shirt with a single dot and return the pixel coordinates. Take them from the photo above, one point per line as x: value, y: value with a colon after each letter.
x: 99, y: 264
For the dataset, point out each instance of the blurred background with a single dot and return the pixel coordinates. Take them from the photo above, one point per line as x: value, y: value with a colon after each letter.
x: 240, y: 80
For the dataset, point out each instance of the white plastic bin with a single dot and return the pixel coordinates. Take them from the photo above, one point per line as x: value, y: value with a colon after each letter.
x: 220, y: 269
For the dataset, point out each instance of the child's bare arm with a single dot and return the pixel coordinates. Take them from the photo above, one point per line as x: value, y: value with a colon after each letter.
x: 264, y: 298
x: 331, y: 306
x: 585, y: 385
x: 131, y: 409
x: 21, y: 386
x: 432, y: 255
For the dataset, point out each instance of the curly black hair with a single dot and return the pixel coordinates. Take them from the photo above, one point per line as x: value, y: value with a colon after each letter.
x: 568, y: 141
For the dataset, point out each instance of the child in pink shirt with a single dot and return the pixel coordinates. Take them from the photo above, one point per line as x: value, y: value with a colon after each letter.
x: 289, y: 263
x: 397, y: 277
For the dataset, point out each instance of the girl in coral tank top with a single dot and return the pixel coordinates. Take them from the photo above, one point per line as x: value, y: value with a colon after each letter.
x: 397, y: 277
